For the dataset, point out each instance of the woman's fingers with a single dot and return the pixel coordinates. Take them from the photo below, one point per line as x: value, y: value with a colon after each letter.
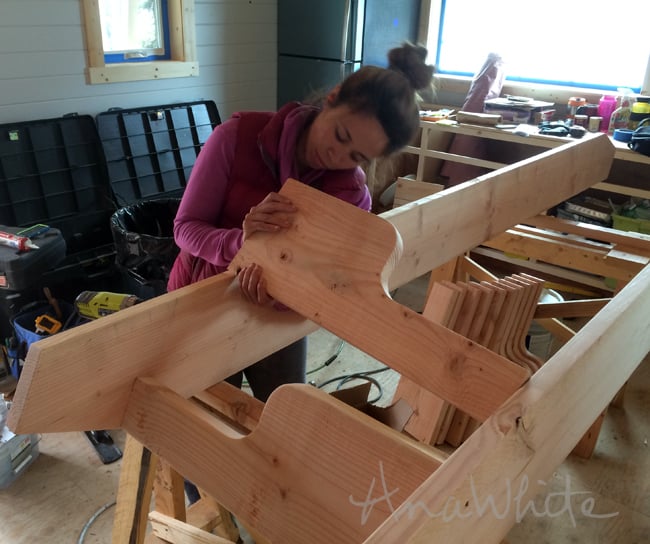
x: 253, y: 285
x: 274, y: 213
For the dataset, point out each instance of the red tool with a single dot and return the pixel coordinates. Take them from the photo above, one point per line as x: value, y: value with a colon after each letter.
x: 21, y: 243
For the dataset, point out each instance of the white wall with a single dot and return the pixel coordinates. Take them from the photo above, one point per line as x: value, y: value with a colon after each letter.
x: 42, y: 61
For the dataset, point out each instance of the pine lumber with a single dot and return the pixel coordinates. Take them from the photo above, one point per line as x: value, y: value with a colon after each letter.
x: 531, y: 434
x: 292, y: 477
x: 192, y: 338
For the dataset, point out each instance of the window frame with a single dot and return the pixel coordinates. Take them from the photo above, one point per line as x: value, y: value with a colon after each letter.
x: 183, y: 61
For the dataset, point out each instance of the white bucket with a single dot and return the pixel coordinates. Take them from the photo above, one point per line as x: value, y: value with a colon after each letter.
x: 539, y: 340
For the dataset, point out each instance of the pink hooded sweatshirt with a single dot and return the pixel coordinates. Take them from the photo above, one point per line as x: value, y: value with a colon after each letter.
x: 244, y: 159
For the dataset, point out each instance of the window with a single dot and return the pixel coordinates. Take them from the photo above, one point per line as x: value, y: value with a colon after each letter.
x: 134, y: 30
x: 131, y: 40
x: 594, y: 46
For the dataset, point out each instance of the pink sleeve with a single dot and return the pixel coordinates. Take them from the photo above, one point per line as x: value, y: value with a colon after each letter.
x: 195, y: 229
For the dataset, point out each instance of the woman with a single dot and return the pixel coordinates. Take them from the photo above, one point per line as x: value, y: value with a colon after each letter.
x: 233, y: 189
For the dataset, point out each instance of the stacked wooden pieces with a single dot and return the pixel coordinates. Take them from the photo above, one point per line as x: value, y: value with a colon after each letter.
x: 496, y: 314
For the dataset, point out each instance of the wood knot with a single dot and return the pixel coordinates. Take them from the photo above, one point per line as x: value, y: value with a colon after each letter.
x: 286, y: 255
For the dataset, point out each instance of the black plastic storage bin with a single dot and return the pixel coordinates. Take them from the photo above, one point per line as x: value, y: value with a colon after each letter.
x: 53, y: 171
x: 150, y: 153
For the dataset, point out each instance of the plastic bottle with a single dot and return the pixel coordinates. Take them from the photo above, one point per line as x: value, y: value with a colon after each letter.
x: 640, y: 110
x: 606, y: 106
x: 572, y: 106
x: 621, y: 115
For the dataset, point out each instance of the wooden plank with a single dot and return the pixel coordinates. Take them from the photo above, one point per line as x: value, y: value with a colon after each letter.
x: 409, y: 190
x: 442, y: 306
x: 93, y: 366
x: 557, y: 328
x: 291, y: 482
x: 570, y: 308
x: 137, y: 472
x: 240, y: 407
x: 595, y: 261
x: 344, y: 290
x: 528, y: 437
x: 169, y: 492
x: 639, y: 242
x: 101, y: 359
x: 484, y: 297
x: 178, y: 532
x: 447, y: 224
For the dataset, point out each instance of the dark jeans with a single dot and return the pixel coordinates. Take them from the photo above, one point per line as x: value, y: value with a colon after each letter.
x: 288, y: 365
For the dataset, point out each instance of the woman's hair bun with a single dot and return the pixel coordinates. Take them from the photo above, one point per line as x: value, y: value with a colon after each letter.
x: 410, y: 60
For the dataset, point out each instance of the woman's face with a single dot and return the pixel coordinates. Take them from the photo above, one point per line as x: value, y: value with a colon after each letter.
x: 339, y: 139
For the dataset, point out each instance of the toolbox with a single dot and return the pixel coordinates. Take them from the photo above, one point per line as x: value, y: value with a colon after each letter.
x: 52, y: 171
x: 149, y: 154
x: 17, y: 453
x: 73, y: 173
x: 24, y: 269
x: 151, y: 151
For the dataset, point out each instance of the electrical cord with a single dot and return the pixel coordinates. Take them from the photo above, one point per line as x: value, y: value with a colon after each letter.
x: 330, y: 360
x: 365, y: 375
x: 93, y: 518
x: 323, y: 365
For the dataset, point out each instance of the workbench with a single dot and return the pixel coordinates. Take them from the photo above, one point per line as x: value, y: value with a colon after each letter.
x: 629, y: 176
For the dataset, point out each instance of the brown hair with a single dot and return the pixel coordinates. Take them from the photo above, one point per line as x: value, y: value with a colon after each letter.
x: 389, y: 94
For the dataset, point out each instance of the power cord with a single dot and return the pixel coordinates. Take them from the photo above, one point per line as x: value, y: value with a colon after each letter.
x: 93, y: 518
x: 365, y: 375
x: 323, y: 365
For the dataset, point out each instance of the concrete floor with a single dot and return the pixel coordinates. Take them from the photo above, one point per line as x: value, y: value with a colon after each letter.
x: 67, y: 484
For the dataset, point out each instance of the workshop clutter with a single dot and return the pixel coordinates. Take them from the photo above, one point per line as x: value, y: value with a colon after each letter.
x: 106, y: 189
x: 618, y: 115
x: 17, y: 452
x: 34, y: 322
x: 640, y: 138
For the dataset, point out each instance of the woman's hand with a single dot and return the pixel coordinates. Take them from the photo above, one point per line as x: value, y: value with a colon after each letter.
x: 253, y: 286
x: 274, y: 213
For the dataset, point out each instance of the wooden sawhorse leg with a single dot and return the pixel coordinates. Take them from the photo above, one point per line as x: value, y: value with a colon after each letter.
x: 145, y: 476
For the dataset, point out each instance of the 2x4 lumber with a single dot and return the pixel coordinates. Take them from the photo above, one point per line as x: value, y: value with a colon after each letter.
x: 639, y: 242
x: 175, y: 531
x: 570, y: 308
x: 530, y: 435
x: 194, y: 337
x: 135, y: 489
x: 442, y: 306
x: 595, y: 261
x: 437, y: 228
x: 344, y: 290
x: 188, y: 339
x: 243, y: 409
x: 169, y: 492
x: 292, y: 478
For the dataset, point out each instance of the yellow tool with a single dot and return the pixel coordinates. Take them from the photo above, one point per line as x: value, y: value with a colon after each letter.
x: 96, y: 304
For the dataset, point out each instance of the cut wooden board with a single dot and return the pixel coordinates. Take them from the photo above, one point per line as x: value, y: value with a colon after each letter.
x: 424, y: 424
x: 449, y: 223
x: 507, y: 460
x: 293, y: 476
x: 408, y: 190
x: 345, y: 290
x: 194, y: 337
